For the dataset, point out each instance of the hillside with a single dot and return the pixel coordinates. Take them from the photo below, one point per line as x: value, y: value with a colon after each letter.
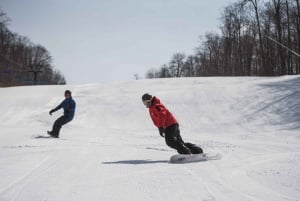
x: 111, y: 150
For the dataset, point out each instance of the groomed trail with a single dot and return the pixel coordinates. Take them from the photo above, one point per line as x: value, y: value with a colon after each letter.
x: 111, y: 151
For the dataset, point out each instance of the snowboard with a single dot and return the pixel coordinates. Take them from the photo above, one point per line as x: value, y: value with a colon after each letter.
x: 43, y: 136
x: 192, y: 158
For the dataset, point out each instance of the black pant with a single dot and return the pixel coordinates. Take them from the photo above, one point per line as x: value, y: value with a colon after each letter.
x: 174, y: 140
x: 58, y: 124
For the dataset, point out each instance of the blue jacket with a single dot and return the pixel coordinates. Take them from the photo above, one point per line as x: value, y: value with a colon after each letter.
x: 69, y: 106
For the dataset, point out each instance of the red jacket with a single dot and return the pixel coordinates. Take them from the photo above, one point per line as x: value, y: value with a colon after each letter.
x: 160, y: 115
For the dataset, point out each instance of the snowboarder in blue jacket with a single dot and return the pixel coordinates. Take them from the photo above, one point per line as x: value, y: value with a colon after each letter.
x: 69, y: 106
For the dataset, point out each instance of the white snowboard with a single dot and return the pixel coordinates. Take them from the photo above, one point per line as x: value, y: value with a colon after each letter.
x: 192, y: 158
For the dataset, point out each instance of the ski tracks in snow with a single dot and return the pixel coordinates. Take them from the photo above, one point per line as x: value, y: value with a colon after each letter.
x: 111, y: 151
x: 14, y: 188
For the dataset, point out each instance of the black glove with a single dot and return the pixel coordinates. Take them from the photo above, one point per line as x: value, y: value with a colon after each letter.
x: 161, y: 131
x: 51, y: 111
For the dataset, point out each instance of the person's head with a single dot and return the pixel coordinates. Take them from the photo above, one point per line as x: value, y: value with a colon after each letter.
x: 68, y: 94
x: 147, y: 99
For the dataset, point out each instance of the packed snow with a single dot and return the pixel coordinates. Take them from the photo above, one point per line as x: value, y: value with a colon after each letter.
x: 111, y: 151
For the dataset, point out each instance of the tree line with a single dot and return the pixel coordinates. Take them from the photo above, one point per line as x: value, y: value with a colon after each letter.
x: 257, y: 38
x: 22, y: 62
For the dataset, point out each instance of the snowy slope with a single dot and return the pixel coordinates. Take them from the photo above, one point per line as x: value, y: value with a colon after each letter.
x: 111, y: 151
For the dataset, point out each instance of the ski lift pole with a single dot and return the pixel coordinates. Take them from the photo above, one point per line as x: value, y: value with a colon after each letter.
x: 292, y: 51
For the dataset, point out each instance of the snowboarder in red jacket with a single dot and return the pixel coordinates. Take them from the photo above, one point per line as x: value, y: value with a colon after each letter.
x: 168, y: 126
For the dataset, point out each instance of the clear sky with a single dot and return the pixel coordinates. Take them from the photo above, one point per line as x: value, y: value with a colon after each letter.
x: 111, y: 40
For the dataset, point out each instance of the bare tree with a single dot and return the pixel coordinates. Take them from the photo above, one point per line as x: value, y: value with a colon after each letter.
x: 189, y: 67
x: 21, y: 61
x: 261, y: 52
x: 176, y: 64
x: 297, y: 22
x: 259, y: 37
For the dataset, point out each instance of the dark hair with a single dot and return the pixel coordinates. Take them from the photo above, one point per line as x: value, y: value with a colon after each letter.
x: 68, y: 92
x: 146, y: 97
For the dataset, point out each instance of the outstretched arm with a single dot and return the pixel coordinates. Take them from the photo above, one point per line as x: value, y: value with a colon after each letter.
x: 57, y: 108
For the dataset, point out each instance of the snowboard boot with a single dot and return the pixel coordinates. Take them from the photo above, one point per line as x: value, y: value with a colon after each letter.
x: 194, y: 148
x: 52, y: 134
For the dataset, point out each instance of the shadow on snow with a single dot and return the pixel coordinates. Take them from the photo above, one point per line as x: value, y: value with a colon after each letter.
x: 136, y: 162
